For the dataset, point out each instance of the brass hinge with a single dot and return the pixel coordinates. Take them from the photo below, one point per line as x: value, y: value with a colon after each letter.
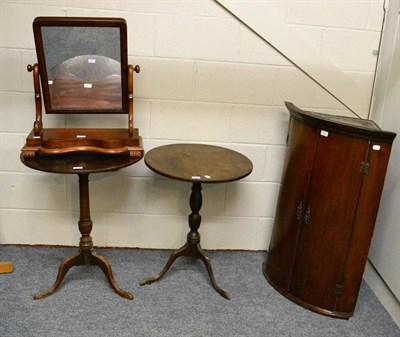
x: 364, y: 168
x: 338, y: 289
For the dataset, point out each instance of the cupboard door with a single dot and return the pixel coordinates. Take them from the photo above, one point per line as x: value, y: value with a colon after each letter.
x: 296, y: 172
x: 330, y: 208
x: 364, y: 223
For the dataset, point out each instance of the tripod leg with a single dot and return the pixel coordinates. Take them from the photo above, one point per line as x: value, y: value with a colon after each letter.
x: 106, y: 268
x: 207, y: 263
x: 183, y: 251
x: 66, y: 265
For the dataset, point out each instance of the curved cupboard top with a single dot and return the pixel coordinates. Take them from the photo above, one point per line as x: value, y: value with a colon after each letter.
x: 361, y: 128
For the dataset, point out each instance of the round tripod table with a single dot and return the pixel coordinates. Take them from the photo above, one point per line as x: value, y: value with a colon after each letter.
x: 196, y: 163
x: 82, y: 164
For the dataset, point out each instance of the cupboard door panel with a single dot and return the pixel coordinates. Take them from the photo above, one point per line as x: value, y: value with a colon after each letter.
x: 296, y: 173
x: 364, y: 223
x: 330, y: 209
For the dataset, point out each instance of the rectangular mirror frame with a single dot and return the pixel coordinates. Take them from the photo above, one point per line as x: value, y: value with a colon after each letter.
x: 40, y: 22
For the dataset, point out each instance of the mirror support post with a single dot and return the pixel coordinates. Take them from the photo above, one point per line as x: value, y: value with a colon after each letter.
x: 131, y: 69
x: 38, y: 124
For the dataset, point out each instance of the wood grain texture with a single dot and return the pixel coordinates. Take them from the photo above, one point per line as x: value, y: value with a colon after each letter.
x: 198, y: 163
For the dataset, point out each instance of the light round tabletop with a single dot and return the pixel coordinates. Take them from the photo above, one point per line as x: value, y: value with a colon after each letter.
x: 198, y: 163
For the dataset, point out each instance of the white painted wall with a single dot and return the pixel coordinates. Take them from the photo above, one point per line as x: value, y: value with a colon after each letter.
x: 205, y: 78
x: 385, y: 247
x: 296, y: 49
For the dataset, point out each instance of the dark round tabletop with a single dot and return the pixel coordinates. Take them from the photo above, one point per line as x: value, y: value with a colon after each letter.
x: 79, y: 162
x: 198, y: 163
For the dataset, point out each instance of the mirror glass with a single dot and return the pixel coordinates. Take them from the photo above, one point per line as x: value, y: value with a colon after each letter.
x: 83, y: 68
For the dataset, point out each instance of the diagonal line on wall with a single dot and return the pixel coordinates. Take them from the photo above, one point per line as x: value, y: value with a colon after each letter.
x: 268, y: 24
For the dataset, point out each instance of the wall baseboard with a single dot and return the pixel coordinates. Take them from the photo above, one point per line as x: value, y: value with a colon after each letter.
x: 382, y: 292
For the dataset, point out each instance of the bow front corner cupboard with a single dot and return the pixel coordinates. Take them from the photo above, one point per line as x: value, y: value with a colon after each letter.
x: 332, y: 181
